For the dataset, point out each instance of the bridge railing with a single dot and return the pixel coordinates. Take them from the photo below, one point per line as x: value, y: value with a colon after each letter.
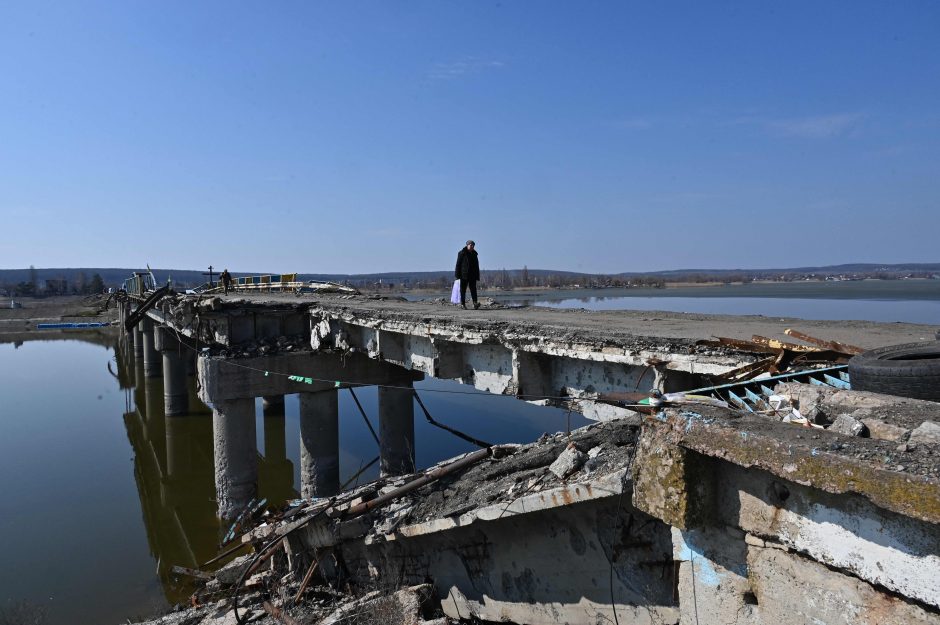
x: 271, y: 282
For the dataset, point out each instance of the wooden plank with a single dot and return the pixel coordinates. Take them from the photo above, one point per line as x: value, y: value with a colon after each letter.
x: 743, y: 345
x: 182, y: 570
x: 307, y: 578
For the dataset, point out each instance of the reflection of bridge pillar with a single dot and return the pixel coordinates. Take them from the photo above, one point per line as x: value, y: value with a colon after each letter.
x: 175, y: 391
x: 152, y: 368
x: 236, y: 454
x: 273, y: 406
x: 319, y: 444
x: 138, y: 342
x: 397, y: 430
x: 276, y: 474
x: 178, y: 448
x: 154, y: 421
x: 275, y: 438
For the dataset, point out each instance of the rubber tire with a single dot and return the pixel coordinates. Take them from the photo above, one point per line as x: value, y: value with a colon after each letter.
x: 909, y: 370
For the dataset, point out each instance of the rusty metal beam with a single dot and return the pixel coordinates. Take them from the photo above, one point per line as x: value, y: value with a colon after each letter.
x: 835, y: 346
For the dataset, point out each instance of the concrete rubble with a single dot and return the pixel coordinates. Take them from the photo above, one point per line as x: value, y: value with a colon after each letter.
x: 697, y: 515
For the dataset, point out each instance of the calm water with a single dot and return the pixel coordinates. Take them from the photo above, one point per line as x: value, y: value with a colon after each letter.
x: 912, y: 301
x: 102, y: 494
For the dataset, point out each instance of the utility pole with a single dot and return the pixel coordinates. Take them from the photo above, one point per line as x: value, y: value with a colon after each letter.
x: 210, y: 274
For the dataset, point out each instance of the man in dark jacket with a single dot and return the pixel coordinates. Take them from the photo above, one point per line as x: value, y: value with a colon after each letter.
x: 468, y: 272
x: 226, y: 279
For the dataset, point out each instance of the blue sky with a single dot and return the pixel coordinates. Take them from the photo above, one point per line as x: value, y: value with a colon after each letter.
x: 378, y: 136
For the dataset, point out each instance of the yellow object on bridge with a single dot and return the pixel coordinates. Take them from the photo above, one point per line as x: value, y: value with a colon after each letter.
x: 267, y: 282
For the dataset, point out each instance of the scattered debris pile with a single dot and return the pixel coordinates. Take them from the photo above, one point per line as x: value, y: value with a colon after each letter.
x: 781, y: 356
x: 285, y: 581
x: 264, y: 347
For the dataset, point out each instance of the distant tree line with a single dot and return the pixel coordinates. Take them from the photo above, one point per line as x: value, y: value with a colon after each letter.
x: 80, y: 284
x: 505, y: 279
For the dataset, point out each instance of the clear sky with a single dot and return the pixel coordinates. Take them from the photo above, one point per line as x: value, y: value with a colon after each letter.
x: 378, y: 136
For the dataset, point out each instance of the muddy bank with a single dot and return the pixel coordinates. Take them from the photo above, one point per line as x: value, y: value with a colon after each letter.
x: 19, y: 324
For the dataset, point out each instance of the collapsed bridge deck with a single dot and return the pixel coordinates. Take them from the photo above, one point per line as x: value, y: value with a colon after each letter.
x: 695, y: 515
x: 535, y: 353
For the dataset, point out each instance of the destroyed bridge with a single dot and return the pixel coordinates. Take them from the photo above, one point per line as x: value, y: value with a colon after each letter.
x: 802, y: 502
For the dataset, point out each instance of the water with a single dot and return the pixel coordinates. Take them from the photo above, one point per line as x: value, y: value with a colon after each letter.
x: 102, y: 495
x: 911, y: 301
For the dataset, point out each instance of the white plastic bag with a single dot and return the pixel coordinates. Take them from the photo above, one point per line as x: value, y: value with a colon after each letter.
x: 455, y: 293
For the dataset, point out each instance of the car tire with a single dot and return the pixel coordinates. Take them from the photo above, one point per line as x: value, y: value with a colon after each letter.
x: 909, y: 370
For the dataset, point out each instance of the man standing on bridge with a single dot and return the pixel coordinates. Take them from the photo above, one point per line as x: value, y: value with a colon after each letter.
x: 468, y: 272
x: 226, y: 279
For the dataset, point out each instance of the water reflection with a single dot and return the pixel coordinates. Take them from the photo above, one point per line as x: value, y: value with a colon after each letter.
x: 174, y: 468
x: 173, y: 472
x: 138, y: 487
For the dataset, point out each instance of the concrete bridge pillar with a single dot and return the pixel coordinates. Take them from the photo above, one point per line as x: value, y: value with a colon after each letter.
x: 236, y: 454
x: 397, y: 429
x: 319, y: 444
x: 152, y: 365
x: 175, y: 390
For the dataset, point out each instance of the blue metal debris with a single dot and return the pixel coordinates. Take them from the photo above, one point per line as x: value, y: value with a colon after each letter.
x: 57, y: 326
x: 753, y: 395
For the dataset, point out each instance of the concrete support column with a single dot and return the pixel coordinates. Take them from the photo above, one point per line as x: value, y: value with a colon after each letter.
x: 152, y: 364
x: 397, y: 430
x: 319, y: 444
x: 236, y: 454
x: 175, y: 389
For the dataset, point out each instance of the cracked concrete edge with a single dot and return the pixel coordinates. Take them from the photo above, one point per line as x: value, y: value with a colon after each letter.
x: 743, y: 444
x: 594, y: 351
x: 610, y: 485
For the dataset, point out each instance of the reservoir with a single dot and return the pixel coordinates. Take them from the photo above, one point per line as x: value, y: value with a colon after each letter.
x: 912, y: 301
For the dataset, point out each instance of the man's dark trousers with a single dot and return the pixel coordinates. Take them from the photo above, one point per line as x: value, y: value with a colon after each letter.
x: 463, y: 290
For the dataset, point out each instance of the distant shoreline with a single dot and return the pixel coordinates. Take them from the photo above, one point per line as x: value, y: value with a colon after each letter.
x: 913, y: 289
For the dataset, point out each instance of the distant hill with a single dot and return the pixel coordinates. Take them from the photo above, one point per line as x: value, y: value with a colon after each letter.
x: 115, y: 276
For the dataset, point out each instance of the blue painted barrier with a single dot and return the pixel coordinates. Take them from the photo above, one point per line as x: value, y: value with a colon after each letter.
x: 56, y: 326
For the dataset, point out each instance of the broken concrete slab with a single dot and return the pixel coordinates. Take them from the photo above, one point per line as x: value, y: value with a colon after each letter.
x: 845, y: 424
x: 404, y: 607
x: 570, y: 460
x: 789, y: 589
x: 828, y: 403
x: 818, y: 458
x: 232, y: 572
x: 884, y: 431
x: 928, y: 433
